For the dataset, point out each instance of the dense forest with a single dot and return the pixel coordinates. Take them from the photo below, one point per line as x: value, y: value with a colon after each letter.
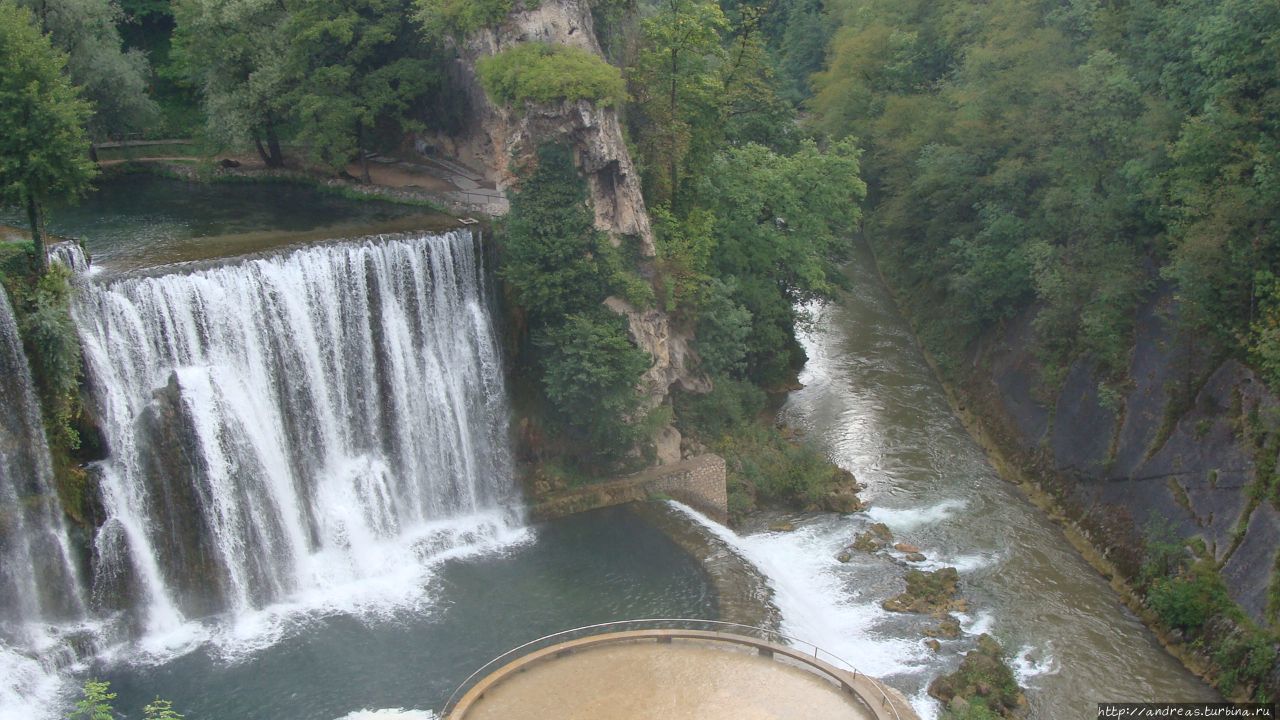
x: 1067, y: 157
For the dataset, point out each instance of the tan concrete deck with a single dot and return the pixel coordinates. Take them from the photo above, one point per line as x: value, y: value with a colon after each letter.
x: 675, y: 675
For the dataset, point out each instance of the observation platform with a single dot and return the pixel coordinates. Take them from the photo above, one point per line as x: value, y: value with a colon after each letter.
x: 672, y: 670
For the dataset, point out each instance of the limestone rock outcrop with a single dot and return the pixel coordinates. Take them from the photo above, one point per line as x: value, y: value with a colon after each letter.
x: 498, y: 139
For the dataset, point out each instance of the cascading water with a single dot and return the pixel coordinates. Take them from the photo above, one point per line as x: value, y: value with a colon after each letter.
x: 290, y: 424
x: 40, y: 592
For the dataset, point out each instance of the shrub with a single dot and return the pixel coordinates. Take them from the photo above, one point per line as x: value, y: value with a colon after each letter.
x: 547, y: 73
x: 778, y: 470
x: 724, y: 327
x: 460, y: 18
x: 549, y: 241
x: 1186, y: 602
x: 590, y: 371
x: 730, y: 405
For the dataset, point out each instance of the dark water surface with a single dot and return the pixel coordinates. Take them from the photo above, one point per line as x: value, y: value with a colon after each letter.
x: 596, y: 567
x: 139, y: 220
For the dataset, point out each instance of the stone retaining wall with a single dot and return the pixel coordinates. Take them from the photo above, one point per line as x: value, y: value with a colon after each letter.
x: 698, y: 482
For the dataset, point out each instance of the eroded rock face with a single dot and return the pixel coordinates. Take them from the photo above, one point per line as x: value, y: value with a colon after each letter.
x: 497, y: 139
x: 673, y: 359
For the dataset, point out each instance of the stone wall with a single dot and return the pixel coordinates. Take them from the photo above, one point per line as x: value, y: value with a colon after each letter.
x: 698, y: 482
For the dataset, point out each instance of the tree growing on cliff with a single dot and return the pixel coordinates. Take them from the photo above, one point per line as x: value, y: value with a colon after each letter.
x: 677, y: 85
x: 43, y: 146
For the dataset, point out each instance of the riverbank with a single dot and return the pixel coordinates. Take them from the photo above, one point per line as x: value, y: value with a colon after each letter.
x: 445, y: 188
x: 1027, y: 471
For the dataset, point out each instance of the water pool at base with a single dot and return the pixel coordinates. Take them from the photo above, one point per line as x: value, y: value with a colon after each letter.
x: 591, y: 568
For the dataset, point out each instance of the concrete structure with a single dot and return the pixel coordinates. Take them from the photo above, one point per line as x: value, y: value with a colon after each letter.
x: 698, y: 482
x: 675, y: 674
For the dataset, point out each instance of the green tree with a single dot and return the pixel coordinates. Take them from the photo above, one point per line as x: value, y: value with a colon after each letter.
x: 548, y: 73
x: 235, y: 54
x: 114, y: 79
x: 547, y: 250
x: 459, y: 18
x: 160, y: 710
x: 677, y: 85
x: 43, y: 146
x: 590, y: 372
x: 362, y: 66
x: 95, y: 704
x: 780, y: 221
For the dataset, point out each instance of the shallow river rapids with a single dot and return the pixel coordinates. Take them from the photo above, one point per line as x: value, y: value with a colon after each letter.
x: 871, y: 401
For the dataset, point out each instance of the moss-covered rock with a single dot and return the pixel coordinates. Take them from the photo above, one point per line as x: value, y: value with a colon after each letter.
x: 948, y: 629
x: 984, y: 681
x: 929, y: 593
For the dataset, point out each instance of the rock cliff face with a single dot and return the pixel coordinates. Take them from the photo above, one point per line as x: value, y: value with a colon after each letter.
x: 496, y: 139
x: 1191, y: 444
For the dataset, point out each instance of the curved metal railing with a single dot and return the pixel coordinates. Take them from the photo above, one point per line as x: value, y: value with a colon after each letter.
x: 664, y: 624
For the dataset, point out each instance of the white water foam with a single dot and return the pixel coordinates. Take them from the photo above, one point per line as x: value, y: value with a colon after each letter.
x: 1031, y: 662
x: 975, y: 624
x: 925, y: 705
x: 900, y: 520
x: 28, y: 689
x: 389, y: 714
x: 335, y: 425
x: 396, y: 581
x: 801, y: 569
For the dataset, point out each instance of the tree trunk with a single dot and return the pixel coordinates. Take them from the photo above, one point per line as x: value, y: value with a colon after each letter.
x: 262, y: 153
x: 93, y: 151
x: 364, y: 157
x: 673, y: 167
x: 37, y: 234
x: 276, y: 159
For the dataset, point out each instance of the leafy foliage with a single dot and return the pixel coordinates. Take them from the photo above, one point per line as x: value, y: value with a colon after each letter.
x: 1058, y: 156
x: 559, y: 269
x: 780, y: 220
x: 43, y: 146
x: 235, y: 54
x: 113, y: 78
x: 361, y: 66
x: 1188, y: 600
x: 590, y: 371
x: 160, y: 710
x: 547, y: 73
x: 95, y: 704
x: 547, y: 247
x: 460, y: 18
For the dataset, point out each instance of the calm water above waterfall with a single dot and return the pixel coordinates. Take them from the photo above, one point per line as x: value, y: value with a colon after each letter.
x: 140, y: 221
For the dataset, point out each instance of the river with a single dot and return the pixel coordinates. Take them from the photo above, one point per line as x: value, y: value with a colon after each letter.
x: 872, y: 402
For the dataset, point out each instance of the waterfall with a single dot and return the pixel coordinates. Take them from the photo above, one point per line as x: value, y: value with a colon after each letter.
x: 38, y: 578
x: 292, y: 424
x: 40, y: 588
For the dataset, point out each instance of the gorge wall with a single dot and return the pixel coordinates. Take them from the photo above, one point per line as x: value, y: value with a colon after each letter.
x: 499, y: 139
x: 1186, y: 449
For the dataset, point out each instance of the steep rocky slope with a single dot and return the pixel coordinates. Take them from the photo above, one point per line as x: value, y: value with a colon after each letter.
x: 498, y: 139
x: 1186, y: 448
